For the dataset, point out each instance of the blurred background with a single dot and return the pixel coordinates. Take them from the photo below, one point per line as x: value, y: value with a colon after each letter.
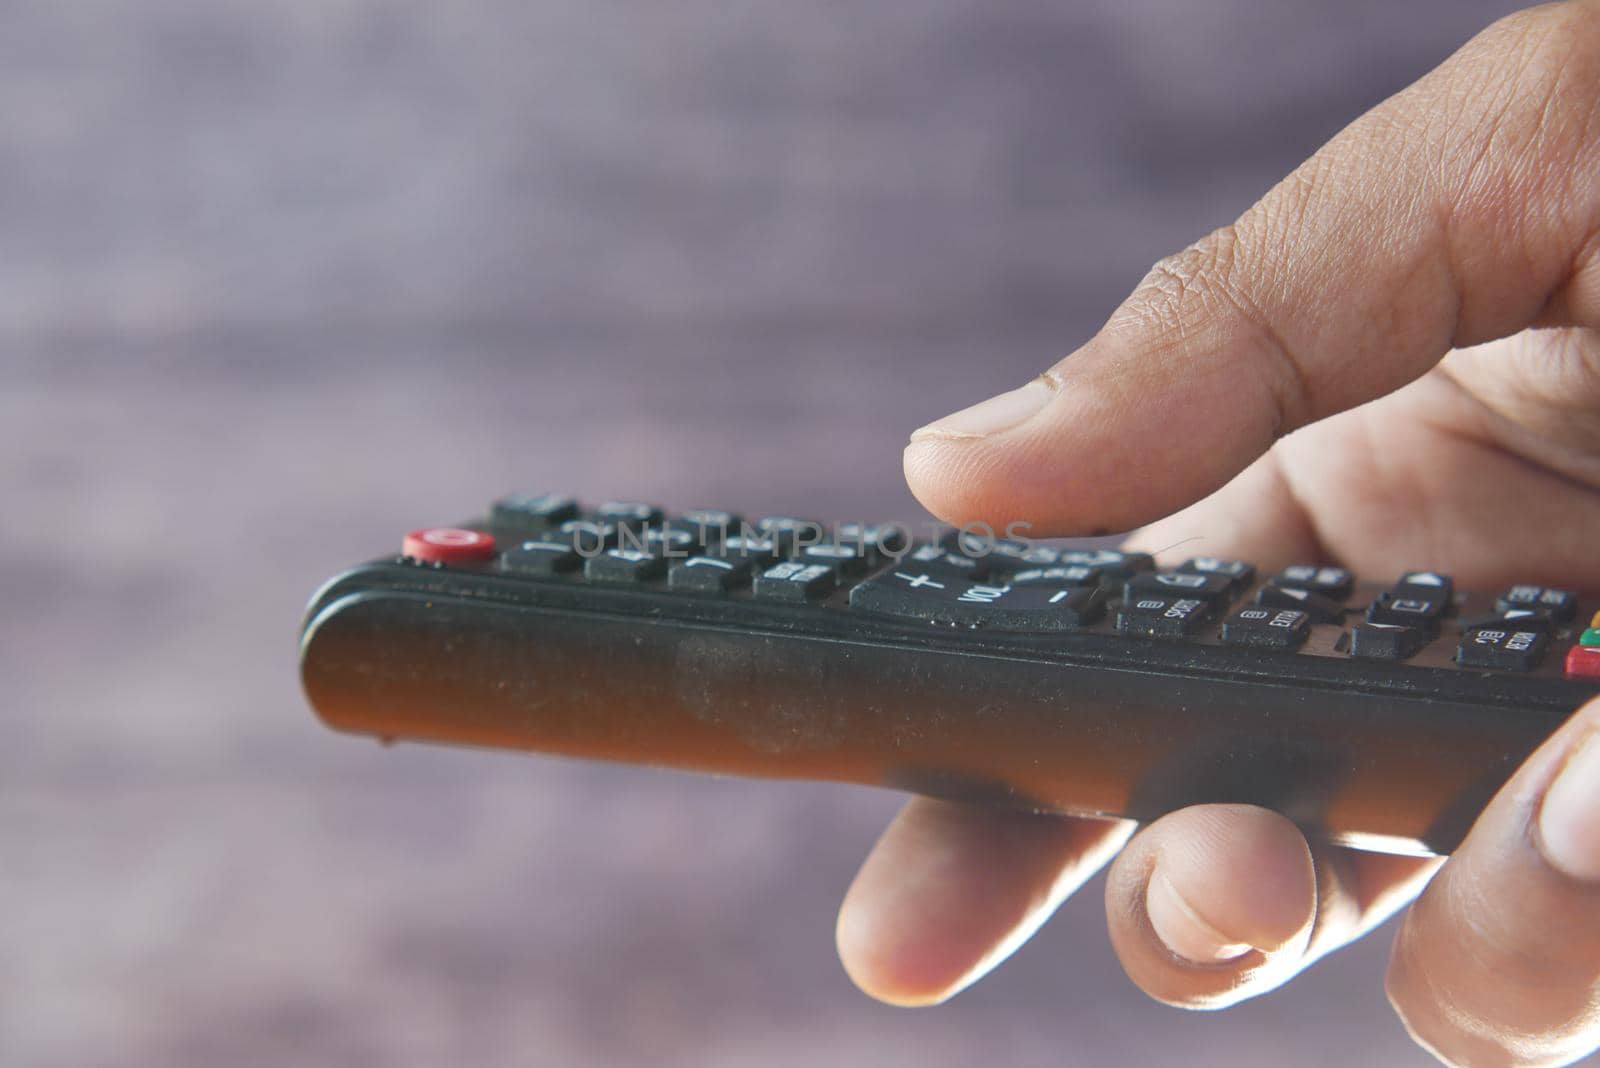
x: 281, y: 281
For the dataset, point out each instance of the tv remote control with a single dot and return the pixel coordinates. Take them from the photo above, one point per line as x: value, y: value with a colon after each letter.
x: 1085, y: 681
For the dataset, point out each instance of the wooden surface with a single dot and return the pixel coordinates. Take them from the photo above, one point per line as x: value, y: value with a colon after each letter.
x: 279, y: 281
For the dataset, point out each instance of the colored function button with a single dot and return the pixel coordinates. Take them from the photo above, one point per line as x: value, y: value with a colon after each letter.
x: 1386, y: 641
x: 1267, y: 628
x: 1332, y: 582
x: 534, y: 509
x: 1583, y: 662
x: 1162, y: 617
x: 1503, y: 647
x: 1560, y: 605
x: 448, y: 545
x: 917, y: 594
x: 1590, y: 637
x: 1320, y: 608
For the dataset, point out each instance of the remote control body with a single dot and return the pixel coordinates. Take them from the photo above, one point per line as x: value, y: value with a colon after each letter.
x: 1078, y: 682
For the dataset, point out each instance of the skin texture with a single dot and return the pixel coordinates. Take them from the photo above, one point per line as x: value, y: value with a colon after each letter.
x: 1391, y: 353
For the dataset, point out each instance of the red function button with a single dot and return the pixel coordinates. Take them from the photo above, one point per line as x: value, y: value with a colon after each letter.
x: 1583, y: 662
x: 448, y: 545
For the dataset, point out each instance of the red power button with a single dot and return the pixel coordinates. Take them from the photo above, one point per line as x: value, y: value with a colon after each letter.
x: 1583, y: 662
x: 448, y: 545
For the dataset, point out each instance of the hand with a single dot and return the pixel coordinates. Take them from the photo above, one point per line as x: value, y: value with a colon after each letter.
x: 1391, y: 361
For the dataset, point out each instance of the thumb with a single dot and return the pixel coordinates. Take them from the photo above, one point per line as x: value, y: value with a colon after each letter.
x: 1464, y: 209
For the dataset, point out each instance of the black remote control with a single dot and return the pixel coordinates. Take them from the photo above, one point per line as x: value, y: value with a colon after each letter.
x: 1382, y: 715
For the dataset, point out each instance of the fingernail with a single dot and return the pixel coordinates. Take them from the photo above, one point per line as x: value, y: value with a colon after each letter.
x: 1182, y: 929
x: 998, y: 413
x: 1569, y: 819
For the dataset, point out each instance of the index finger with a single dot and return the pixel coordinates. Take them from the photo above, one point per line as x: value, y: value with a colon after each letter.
x: 1461, y: 210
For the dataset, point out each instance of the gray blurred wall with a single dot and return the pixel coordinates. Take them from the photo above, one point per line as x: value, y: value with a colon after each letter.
x: 279, y: 281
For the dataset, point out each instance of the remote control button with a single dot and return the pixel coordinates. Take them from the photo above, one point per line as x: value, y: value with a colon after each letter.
x: 793, y: 581
x: 1560, y: 604
x: 1238, y: 572
x: 849, y: 559
x: 758, y: 551
x: 624, y: 567
x: 1332, y: 582
x: 1162, y: 617
x: 1320, y: 608
x: 662, y: 541
x: 448, y: 545
x: 788, y: 532
x: 634, y: 515
x: 1583, y: 662
x: 1407, y: 611
x: 713, y: 517
x: 540, y: 557
x: 1517, y: 618
x: 880, y: 541
x: 707, y: 526
x: 1267, y: 628
x: 1112, y: 564
x: 590, y: 537
x: 1386, y: 641
x: 1425, y: 586
x: 955, y: 566
x: 1214, y: 590
x: 710, y: 574
x: 1506, y: 648
x: 916, y: 594
x: 1526, y: 617
x: 1076, y: 575
x: 998, y: 555
x: 534, y: 509
x: 1595, y: 622
x: 1590, y: 636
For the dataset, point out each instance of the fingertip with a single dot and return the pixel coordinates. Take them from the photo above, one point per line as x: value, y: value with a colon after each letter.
x: 1245, y: 871
x: 888, y: 958
x: 1213, y: 904
x: 950, y: 891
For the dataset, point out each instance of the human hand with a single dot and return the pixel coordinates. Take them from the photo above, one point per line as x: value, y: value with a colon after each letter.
x: 1392, y: 360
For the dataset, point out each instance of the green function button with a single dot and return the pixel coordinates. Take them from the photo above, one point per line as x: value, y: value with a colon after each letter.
x: 1590, y: 637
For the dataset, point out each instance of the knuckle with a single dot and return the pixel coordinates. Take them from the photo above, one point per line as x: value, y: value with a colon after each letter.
x: 1216, y: 281
x: 1196, y: 280
x: 1543, y: 64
